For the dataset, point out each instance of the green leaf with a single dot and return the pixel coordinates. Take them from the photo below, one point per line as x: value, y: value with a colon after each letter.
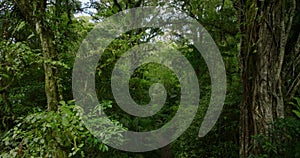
x: 30, y: 36
x: 5, y: 75
x: 63, y: 103
x: 20, y: 26
x: 298, y: 101
x: 297, y: 113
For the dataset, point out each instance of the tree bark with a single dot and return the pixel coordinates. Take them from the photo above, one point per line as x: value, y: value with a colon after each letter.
x: 166, y: 152
x: 263, y: 40
x: 49, y: 54
x: 35, y: 13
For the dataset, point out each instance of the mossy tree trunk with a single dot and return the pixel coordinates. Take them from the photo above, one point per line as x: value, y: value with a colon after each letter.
x: 264, y: 28
x: 35, y: 14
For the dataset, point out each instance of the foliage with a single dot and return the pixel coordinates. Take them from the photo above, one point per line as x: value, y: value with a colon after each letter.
x: 296, y: 111
x: 53, y: 134
x: 222, y: 140
x: 28, y: 130
x: 283, y: 139
x: 15, y: 59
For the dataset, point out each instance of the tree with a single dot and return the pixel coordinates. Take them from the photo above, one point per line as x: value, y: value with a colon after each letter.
x: 265, y: 28
x: 50, y: 20
x: 16, y: 57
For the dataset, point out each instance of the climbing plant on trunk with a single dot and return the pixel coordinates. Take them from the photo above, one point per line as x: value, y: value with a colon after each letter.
x: 265, y: 28
x: 35, y: 13
x: 51, y: 20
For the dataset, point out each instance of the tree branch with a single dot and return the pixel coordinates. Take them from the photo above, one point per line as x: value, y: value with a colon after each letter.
x: 7, y: 85
x: 292, y: 11
x: 294, y: 87
x: 223, y: 3
x: 21, y: 4
x: 297, y: 51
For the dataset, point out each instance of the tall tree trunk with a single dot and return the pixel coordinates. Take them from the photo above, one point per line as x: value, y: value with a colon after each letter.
x: 35, y: 13
x: 49, y: 54
x: 263, y: 40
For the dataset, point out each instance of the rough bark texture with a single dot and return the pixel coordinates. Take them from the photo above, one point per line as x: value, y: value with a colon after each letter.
x: 263, y: 40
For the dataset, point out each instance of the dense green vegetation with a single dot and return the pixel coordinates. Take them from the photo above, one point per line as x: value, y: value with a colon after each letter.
x: 261, y: 52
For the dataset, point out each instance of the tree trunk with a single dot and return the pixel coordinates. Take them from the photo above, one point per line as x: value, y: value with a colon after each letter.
x: 263, y: 40
x: 166, y: 152
x: 49, y: 54
x: 35, y: 14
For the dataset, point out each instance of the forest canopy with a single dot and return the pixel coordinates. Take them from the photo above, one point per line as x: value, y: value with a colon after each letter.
x: 43, y: 40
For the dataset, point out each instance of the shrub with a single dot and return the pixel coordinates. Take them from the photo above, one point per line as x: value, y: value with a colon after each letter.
x: 286, y: 133
x: 53, y: 134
